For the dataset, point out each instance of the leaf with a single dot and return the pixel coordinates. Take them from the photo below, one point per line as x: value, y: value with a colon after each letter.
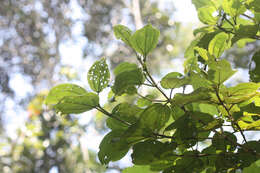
x: 255, y: 67
x: 245, y: 31
x: 146, y: 152
x: 112, y: 148
x: 127, y: 80
x: 98, y: 75
x: 220, y: 71
x: 203, y: 53
x: 123, y: 67
x: 205, y: 15
x: 145, y: 40
x: 143, y: 102
x: 253, y: 5
x: 126, y: 112
x: 77, y: 104
x: 58, y: 92
x: 233, y: 7
x: 155, y: 116
x: 202, y: 107
x: 123, y: 33
x: 253, y: 168
x: 241, y: 92
x: 201, y: 3
x: 200, y: 94
x: 174, y: 80
x: 218, y: 44
x: 138, y: 169
x: 225, y: 141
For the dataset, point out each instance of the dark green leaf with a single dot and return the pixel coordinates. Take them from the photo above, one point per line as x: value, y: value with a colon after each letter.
x: 145, y: 39
x: 127, y: 79
x: 253, y: 168
x: 124, y: 111
x: 225, y: 141
x: 112, y: 148
x: 253, y: 5
x: 245, y: 31
x: 255, y: 68
x: 98, y: 75
x: 155, y: 116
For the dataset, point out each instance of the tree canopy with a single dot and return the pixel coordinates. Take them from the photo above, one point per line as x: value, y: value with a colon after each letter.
x: 165, y: 131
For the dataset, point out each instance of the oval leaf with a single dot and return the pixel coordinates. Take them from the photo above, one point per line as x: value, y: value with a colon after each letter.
x: 98, y: 75
x: 145, y: 39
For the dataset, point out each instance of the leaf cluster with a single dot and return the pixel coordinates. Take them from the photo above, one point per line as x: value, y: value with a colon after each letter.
x: 164, y: 132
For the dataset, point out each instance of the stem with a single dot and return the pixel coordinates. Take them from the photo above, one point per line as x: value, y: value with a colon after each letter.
x: 230, y: 116
x: 99, y: 108
x: 152, y: 100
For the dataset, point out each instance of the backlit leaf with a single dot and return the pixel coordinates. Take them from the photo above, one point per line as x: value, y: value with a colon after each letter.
x: 174, y: 80
x: 123, y: 33
x: 98, y: 75
x: 145, y: 39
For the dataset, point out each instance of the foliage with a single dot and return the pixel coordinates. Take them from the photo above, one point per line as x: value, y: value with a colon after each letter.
x: 164, y: 134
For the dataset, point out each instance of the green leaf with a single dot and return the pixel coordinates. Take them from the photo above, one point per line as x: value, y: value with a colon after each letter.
x: 124, y: 111
x: 218, y: 44
x: 253, y: 168
x: 155, y: 116
x: 253, y: 5
x: 77, y: 104
x: 202, y: 107
x: 201, y: 3
x: 145, y: 39
x: 127, y: 80
x: 174, y: 80
x: 123, y: 67
x: 138, y: 169
x: 112, y: 148
x: 220, y: 71
x: 123, y: 33
x: 200, y: 94
x: 241, y: 92
x: 98, y: 75
x: 225, y: 141
x: 146, y: 152
x: 146, y: 101
x: 205, y: 15
x: 245, y: 31
x: 255, y: 67
x: 58, y: 92
x: 233, y: 7
x: 203, y: 53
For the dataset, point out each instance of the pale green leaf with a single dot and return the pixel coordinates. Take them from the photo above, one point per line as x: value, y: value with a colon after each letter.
x: 98, y: 76
x: 220, y: 71
x: 218, y: 44
x: 77, y: 104
x: 123, y: 33
x: 205, y: 15
x: 58, y: 92
x: 233, y: 7
x: 174, y: 80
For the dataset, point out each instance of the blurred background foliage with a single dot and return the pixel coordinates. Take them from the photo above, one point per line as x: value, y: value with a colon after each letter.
x: 33, y: 34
